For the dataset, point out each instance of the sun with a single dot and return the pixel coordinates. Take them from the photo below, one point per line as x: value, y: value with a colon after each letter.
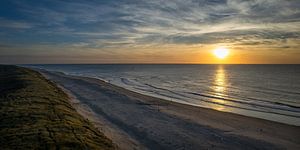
x: 221, y: 52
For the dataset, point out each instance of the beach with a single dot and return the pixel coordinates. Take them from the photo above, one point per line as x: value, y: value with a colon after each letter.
x: 150, y: 74
x: 135, y: 121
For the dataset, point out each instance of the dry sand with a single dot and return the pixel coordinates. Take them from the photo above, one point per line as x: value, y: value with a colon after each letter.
x: 136, y: 121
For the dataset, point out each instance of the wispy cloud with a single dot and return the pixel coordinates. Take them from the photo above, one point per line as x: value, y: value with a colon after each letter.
x: 14, y: 24
x: 123, y: 24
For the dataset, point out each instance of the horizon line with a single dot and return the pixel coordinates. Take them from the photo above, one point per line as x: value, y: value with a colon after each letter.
x: 149, y: 64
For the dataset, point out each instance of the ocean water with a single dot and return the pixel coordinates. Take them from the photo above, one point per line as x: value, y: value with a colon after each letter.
x: 269, y: 92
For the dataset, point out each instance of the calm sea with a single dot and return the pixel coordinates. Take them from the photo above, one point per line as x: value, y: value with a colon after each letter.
x: 270, y: 92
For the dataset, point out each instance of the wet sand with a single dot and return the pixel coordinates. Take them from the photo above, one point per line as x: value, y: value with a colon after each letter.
x: 135, y: 121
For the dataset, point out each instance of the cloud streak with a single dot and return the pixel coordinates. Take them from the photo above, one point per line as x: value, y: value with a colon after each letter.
x: 124, y: 24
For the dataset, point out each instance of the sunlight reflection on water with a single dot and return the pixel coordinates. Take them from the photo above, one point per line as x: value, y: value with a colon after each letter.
x: 220, y: 87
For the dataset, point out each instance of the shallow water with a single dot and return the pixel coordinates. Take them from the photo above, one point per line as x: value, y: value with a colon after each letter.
x: 270, y: 92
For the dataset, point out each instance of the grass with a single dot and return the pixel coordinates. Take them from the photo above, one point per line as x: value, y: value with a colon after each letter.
x: 36, y: 114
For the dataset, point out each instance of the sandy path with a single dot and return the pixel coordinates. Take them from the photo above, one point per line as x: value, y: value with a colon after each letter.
x: 135, y: 121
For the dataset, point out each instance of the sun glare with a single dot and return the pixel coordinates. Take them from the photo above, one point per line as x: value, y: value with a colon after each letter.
x: 221, y: 52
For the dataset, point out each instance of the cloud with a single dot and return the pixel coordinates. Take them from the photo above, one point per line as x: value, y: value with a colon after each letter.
x: 143, y: 23
x: 233, y: 36
x: 13, y: 24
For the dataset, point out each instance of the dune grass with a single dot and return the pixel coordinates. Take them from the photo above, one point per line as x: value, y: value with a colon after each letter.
x: 36, y: 114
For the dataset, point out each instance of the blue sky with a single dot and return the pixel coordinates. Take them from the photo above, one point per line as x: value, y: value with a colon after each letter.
x: 108, y: 31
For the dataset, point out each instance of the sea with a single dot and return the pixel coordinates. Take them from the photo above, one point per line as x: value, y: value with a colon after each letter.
x: 270, y: 92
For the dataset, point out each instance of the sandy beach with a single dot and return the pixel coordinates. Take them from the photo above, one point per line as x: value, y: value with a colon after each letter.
x: 150, y: 74
x: 135, y: 121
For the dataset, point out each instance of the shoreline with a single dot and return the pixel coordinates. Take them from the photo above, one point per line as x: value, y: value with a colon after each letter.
x: 265, y: 108
x: 282, y: 135
x: 102, y: 81
x: 253, y: 114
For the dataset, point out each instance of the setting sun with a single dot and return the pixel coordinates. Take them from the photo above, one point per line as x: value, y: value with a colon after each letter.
x: 221, y: 52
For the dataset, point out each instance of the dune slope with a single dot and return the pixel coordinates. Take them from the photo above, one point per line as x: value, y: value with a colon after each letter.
x: 36, y: 114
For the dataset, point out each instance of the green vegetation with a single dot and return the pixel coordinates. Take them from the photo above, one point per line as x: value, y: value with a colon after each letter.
x: 36, y: 114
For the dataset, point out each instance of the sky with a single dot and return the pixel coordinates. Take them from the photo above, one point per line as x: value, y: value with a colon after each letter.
x: 149, y: 31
